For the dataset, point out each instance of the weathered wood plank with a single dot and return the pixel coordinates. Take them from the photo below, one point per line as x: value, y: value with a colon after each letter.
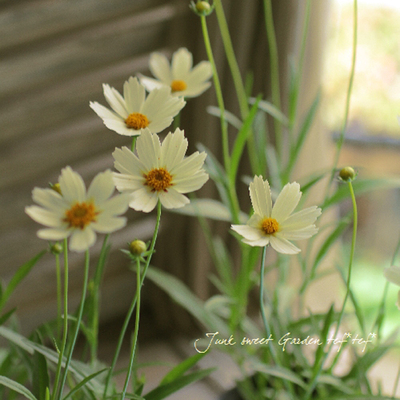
x: 46, y: 63
x: 31, y: 21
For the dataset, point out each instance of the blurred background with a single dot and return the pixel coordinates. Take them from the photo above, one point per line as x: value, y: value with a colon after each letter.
x: 54, y: 57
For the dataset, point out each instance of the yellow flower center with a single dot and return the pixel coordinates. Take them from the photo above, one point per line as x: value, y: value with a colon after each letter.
x: 80, y: 215
x: 158, y: 179
x: 178, y: 86
x: 137, y: 121
x: 269, y: 226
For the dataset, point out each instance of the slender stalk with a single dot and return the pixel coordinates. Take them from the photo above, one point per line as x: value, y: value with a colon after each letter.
x: 237, y: 80
x: 318, y: 370
x: 262, y: 309
x: 133, y: 304
x: 176, y: 123
x: 234, y: 203
x: 218, y: 91
x: 94, y: 317
x: 65, y: 327
x: 133, y: 143
x: 136, y: 331
x: 348, y: 97
x: 59, y: 296
x: 78, y: 322
x: 274, y: 63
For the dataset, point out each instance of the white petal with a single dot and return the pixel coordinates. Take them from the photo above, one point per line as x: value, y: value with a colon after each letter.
x: 173, y: 199
x: 182, y: 61
x: 115, y: 100
x: 108, y: 225
x: 143, y: 200
x: 191, y: 182
x: 134, y: 94
x: 81, y: 240
x: 257, y: 243
x: 116, y: 205
x: 200, y: 73
x: 148, y: 148
x: 260, y: 194
x: 392, y: 274
x: 128, y: 183
x: 286, y: 202
x: 44, y: 217
x: 193, y: 90
x: 53, y: 234
x: 248, y: 232
x: 103, y: 112
x: 50, y: 199
x: 101, y: 188
x: 299, y: 234
x: 159, y: 67
x: 282, y: 245
x: 173, y: 149
x: 255, y: 221
x: 72, y: 186
x: 189, y: 165
x: 150, y: 83
x: 301, y: 219
x: 127, y: 163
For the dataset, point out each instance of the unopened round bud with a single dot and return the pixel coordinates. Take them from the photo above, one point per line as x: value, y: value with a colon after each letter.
x: 56, y: 248
x: 203, y: 7
x: 137, y: 247
x: 347, y: 174
x: 56, y: 187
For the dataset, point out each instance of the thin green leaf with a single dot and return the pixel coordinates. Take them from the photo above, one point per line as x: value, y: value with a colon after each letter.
x: 161, y: 392
x: 207, y: 208
x: 40, y: 377
x: 4, y: 318
x: 301, y: 137
x: 270, y: 109
x: 19, y: 276
x: 277, y: 371
x: 182, y: 295
x: 181, y: 368
x: 83, y: 383
x: 229, y: 117
x: 241, y: 140
x: 361, y: 186
x: 16, y: 387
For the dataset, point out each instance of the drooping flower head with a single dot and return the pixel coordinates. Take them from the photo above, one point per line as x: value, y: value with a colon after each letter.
x: 277, y: 225
x: 183, y: 80
x: 76, y: 213
x: 392, y: 274
x: 132, y: 113
x: 159, y: 171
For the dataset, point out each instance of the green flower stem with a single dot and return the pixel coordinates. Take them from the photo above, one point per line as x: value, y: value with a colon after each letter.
x: 218, y: 91
x: 262, y: 309
x: 133, y: 143
x: 177, y: 122
x: 65, y: 327
x: 237, y: 79
x: 136, y: 331
x: 133, y: 304
x: 348, y: 97
x: 224, y: 127
x: 318, y: 368
x: 78, y: 323
x: 274, y: 62
x: 59, y: 296
x: 94, y: 316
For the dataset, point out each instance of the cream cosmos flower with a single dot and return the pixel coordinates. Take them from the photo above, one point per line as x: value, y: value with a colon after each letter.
x: 277, y: 225
x: 133, y: 112
x: 392, y: 274
x: 159, y: 171
x: 179, y: 76
x: 76, y: 213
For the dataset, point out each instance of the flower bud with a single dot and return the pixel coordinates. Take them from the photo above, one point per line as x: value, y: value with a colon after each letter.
x: 56, y: 187
x: 347, y: 174
x: 137, y: 247
x: 202, y: 8
x: 56, y: 248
